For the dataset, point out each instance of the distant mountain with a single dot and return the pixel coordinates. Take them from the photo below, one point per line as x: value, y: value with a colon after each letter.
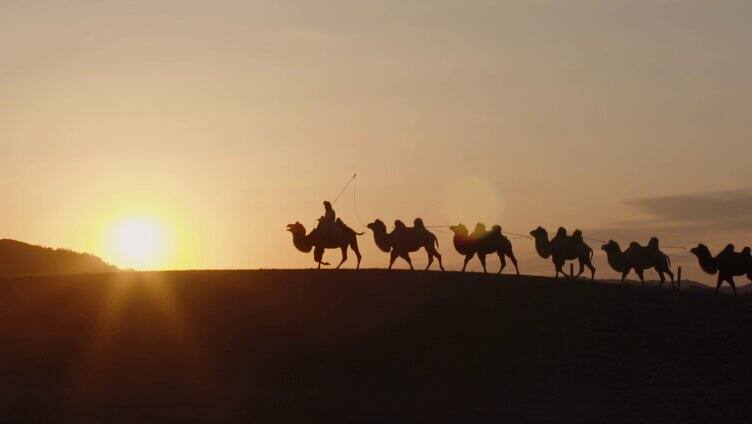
x: 17, y: 258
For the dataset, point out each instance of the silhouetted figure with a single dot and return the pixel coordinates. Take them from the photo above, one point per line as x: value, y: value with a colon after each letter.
x: 339, y: 237
x: 727, y: 264
x: 327, y: 221
x: 482, y: 243
x: 562, y: 248
x: 639, y: 258
x: 403, y: 240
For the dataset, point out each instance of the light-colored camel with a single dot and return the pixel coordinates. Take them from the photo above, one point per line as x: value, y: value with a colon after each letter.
x: 403, y: 240
x: 339, y: 237
x: 563, y: 248
x: 482, y: 243
x: 727, y: 264
x: 639, y: 258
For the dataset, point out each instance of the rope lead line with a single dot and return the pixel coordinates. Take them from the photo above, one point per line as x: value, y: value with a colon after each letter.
x: 353, y: 180
x: 334, y: 202
x: 355, y: 201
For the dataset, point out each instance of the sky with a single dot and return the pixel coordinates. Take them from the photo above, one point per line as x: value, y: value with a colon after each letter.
x: 215, y: 124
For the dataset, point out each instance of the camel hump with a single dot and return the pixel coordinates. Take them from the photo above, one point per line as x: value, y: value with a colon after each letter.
x: 634, y: 244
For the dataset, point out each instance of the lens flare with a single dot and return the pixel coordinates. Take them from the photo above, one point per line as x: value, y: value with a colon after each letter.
x: 139, y: 243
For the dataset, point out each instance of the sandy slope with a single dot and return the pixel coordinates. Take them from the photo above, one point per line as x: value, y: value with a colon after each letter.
x: 368, y: 345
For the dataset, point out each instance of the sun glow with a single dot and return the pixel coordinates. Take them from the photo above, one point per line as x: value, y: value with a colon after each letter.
x: 139, y: 242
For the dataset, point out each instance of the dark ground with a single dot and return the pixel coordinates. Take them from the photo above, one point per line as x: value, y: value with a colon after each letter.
x: 368, y: 346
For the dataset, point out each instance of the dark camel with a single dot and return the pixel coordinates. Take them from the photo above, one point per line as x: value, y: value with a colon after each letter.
x: 639, y: 258
x: 563, y: 248
x: 403, y: 240
x: 482, y: 243
x: 727, y: 264
x: 340, y: 237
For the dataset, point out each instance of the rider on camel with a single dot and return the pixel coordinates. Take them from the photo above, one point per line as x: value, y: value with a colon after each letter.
x: 328, y: 220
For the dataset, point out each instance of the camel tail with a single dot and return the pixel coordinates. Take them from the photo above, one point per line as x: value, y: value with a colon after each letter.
x: 668, y: 260
x: 591, y: 255
x: 436, y: 240
x: 358, y: 234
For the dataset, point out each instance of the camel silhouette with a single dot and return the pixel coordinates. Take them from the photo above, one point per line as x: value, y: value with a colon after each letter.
x: 563, y: 248
x: 340, y: 237
x: 403, y: 240
x: 727, y: 264
x: 482, y: 243
x: 639, y: 258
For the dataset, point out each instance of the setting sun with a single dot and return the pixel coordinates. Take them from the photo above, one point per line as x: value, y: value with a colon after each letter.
x: 139, y: 243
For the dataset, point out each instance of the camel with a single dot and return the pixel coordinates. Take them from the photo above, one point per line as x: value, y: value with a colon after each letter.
x: 563, y: 248
x: 639, y: 258
x: 482, y: 243
x: 727, y: 264
x: 403, y: 240
x: 341, y: 236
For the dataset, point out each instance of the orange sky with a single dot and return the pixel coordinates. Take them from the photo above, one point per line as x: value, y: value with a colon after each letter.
x: 227, y: 120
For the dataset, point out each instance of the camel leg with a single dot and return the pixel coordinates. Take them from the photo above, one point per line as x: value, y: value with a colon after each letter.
x: 730, y: 280
x: 467, y: 259
x: 432, y: 252
x: 624, y: 275
x: 592, y: 270
x: 514, y: 262
x: 641, y: 274
x: 319, y: 267
x: 438, y: 257
x: 430, y: 259
x: 344, y: 256
x: 582, y: 268
x: 406, y: 256
x: 720, y: 281
x: 354, y: 247
x: 503, y: 262
x: 662, y: 277
x: 392, y: 257
x: 482, y: 257
x: 558, y: 266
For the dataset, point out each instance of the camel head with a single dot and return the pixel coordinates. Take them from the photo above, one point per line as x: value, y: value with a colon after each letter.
x: 700, y: 250
x: 611, y: 247
x: 296, y: 229
x: 377, y: 225
x: 459, y: 230
x: 539, y: 233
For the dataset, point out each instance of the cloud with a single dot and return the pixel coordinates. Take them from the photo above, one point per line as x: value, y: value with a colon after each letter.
x: 686, y: 218
x: 733, y: 205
